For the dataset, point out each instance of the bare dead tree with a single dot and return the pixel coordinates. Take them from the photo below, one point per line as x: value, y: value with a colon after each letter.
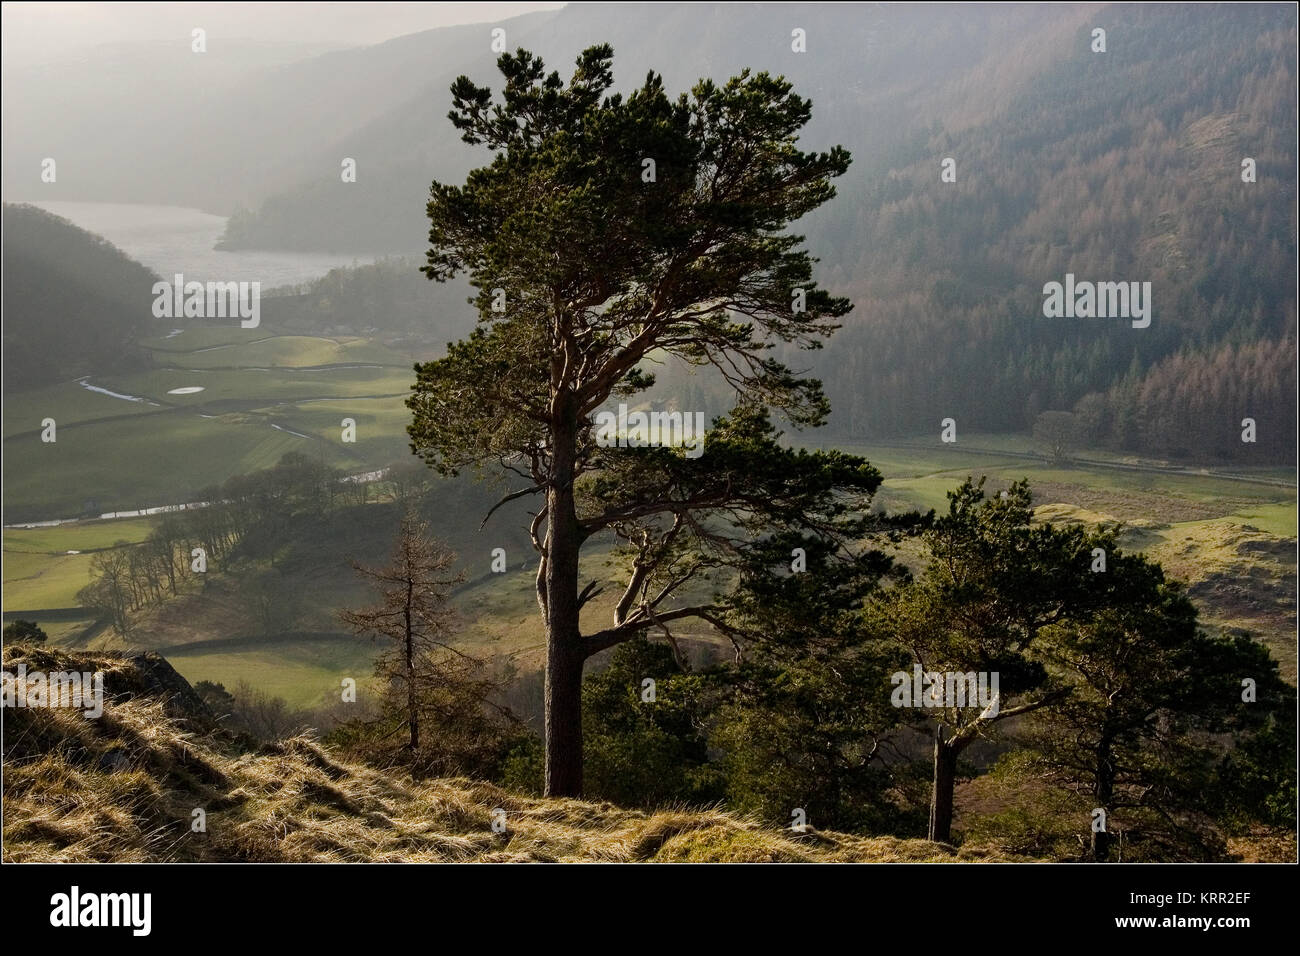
x: 413, y: 615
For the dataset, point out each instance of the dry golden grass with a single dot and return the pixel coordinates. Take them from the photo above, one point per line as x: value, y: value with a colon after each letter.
x: 123, y: 788
x: 1263, y: 846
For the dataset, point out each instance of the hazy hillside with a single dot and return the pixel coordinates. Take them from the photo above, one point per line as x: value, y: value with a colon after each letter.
x: 1111, y: 167
x: 1121, y: 166
x: 1115, y: 166
x: 229, y: 127
x: 73, y: 303
x: 390, y: 295
x: 405, y: 146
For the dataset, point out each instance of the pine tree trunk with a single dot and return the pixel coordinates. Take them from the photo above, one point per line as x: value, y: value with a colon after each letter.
x: 411, y: 712
x: 945, y: 782
x: 564, y: 653
x: 563, y: 721
x: 1105, y: 792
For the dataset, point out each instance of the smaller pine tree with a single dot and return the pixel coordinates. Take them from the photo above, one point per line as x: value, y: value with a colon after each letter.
x: 434, y: 692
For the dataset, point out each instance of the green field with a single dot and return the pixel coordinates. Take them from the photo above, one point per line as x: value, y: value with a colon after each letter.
x: 65, y: 632
x: 127, y: 466
x: 380, y: 425
x: 1277, y: 519
x: 245, y: 388
x: 279, y: 351
x: 40, y: 573
x: 44, y: 580
x: 78, y: 535
x: 68, y: 404
x: 919, y: 477
x: 207, y: 336
x: 305, y: 672
x: 112, y: 454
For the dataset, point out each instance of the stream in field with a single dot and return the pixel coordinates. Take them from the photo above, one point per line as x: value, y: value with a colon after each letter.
x: 171, y: 240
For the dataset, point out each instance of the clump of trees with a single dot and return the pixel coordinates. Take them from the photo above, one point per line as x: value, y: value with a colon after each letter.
x: 247, y: 517
x: 644, y: 728
x: 1109, y: 698
x: 1191, y: 404
x: 28, y: 632
x: 1120, y: 695
x: 257, y: 713
x: 993, y: 583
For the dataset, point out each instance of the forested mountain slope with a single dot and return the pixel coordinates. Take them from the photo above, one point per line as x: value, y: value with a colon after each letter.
x: 73, y: 302
x: 1122, y: 166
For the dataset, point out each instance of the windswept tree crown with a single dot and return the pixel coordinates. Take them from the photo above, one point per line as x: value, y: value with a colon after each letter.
x: 607, y: 228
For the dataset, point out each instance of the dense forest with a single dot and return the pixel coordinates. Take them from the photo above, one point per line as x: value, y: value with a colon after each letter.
x: 1122, y: 167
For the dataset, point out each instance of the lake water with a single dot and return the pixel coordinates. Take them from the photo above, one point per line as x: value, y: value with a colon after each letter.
x: 172, y: 239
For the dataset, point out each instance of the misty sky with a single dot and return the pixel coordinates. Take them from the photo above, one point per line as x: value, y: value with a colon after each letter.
x: 42, y: 32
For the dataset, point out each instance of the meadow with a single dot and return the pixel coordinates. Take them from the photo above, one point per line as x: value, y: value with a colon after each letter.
x: 258, y: 400
x: 1232, y: 541
x: 46, y: 567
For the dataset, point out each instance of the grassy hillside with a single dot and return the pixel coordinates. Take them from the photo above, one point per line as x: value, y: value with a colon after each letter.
x: 124, y: 788
x: 1232, y: 542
